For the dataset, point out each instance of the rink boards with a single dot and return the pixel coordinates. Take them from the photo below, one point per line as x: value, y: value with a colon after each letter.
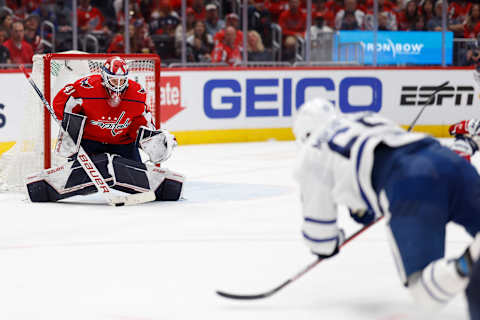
x: 237, y: 104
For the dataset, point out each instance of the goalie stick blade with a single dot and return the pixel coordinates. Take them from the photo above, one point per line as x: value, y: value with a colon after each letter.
x: 132, y: 199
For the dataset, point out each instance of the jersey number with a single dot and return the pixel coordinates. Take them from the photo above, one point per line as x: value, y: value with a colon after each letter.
x: 69, y: 90
x: 342, y: 143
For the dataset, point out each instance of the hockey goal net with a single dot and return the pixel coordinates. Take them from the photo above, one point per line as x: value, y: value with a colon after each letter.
x: 33, y: 150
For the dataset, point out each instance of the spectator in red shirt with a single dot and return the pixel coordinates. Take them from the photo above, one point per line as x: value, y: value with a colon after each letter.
x: 276, y: 7
x: 232, y: 20
x: 334, y: 6
x: 20, y: 50
x: 472, y: 22
x: 320, y: 7
x: 459, y: 8
x: 293, y: 20
x: 89, y: 17
x: 226, y: 50
x: 199, y: 9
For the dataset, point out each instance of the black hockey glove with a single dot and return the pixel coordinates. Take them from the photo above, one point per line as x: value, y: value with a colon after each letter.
x: 362, y: 216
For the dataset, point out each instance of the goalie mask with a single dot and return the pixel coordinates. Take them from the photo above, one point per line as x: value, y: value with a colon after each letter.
x: 115, y: 78
x: 312, y: 115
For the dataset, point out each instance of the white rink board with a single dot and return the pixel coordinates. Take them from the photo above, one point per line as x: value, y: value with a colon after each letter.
x: 242, y: 99
x: 194, y: 94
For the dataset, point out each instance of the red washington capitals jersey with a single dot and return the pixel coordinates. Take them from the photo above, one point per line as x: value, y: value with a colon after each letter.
x: 106, y: 124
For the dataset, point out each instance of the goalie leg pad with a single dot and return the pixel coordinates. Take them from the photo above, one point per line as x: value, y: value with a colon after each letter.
x: 121, y: 174
x: 169, y: 190
x: 66, y: 181
x: 167, y: 184
x: 130, y: 176
x: 40, y: 191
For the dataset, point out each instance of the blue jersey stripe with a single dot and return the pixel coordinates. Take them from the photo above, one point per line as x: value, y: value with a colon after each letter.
x: 307, y: 219
x: 306, y: 236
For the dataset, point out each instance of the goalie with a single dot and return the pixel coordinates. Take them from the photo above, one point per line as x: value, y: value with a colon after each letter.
x: 107, y: 115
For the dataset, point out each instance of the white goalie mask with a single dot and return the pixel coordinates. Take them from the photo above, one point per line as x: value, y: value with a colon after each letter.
x: 115, y: 78
x: 311, y: 116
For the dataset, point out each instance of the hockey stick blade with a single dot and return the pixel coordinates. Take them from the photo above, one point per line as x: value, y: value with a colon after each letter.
x: 309, y: 267
x: 88, y: 165
x: 133, y: 199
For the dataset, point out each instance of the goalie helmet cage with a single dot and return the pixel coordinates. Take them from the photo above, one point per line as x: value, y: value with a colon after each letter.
x: 51, y: 72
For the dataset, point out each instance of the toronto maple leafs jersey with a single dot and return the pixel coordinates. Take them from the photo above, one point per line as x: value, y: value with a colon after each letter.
x: 334, y: 168
x: 106, y: 124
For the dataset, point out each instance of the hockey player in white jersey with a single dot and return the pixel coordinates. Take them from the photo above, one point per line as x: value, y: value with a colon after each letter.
x: 376, y: 168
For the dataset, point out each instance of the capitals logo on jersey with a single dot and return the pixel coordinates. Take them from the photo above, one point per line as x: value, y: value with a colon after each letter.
x: 113, y: 124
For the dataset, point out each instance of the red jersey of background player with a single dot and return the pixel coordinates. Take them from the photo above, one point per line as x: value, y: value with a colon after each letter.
x: 105, y: 123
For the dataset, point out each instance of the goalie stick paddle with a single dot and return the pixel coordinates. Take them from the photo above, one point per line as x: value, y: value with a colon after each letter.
x: 88, y: 165
x: 309, y: 267
x: 437, y: 90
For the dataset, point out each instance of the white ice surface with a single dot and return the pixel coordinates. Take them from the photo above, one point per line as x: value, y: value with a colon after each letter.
x: 237, y: 230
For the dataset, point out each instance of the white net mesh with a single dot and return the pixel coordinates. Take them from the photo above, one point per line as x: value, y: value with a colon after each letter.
x: 27, y: 155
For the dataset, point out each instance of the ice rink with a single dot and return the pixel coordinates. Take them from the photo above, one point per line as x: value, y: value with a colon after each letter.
x: 238, y: 229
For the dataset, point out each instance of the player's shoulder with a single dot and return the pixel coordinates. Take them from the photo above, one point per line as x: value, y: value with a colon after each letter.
x: 136, y: 91
x: 89, y: 82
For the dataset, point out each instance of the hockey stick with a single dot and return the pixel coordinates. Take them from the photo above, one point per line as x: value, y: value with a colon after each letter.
x: 438, y: 89
x: 309, y: 267
x: 88, y: 165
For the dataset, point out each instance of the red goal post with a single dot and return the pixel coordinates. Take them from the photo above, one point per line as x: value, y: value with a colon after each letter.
x: 143, y: 68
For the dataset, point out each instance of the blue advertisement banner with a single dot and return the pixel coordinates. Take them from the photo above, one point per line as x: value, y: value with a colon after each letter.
x: 395, y: 47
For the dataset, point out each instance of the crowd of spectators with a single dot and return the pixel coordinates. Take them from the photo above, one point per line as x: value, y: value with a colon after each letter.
x: 213, y: 27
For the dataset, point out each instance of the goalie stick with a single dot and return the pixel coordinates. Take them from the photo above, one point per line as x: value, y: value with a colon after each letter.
x: 88, y: 165
x: 310, y: 266
x: 438, y: 89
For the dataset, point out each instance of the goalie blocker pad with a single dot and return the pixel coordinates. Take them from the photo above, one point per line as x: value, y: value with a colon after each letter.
x: 68, y: 144
x: 121, y: 174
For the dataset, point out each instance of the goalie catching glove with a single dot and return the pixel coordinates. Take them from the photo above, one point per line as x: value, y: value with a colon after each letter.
x: 157, y: 144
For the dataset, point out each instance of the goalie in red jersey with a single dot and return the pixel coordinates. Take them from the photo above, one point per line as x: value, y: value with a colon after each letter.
x: 107, y: 115
x: 467, y: 137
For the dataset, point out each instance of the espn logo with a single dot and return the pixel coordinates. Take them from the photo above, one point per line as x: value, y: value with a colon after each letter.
x: 419, y: 95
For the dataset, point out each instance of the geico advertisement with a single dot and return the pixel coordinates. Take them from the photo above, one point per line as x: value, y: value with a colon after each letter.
x: 194, y: 100
x: 230, y: 99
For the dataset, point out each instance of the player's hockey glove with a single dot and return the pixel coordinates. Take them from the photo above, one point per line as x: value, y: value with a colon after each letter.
x: 464, y: 146
x: 465, y: 263
x: 466, y: 127
x: 157, y: 144
x: 363, y: 216
x: 340, y: 240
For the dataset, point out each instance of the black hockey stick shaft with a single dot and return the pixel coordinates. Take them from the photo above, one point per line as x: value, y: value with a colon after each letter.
x: 437, y: 90
x: 87, y: 163
x: 307, y: 268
